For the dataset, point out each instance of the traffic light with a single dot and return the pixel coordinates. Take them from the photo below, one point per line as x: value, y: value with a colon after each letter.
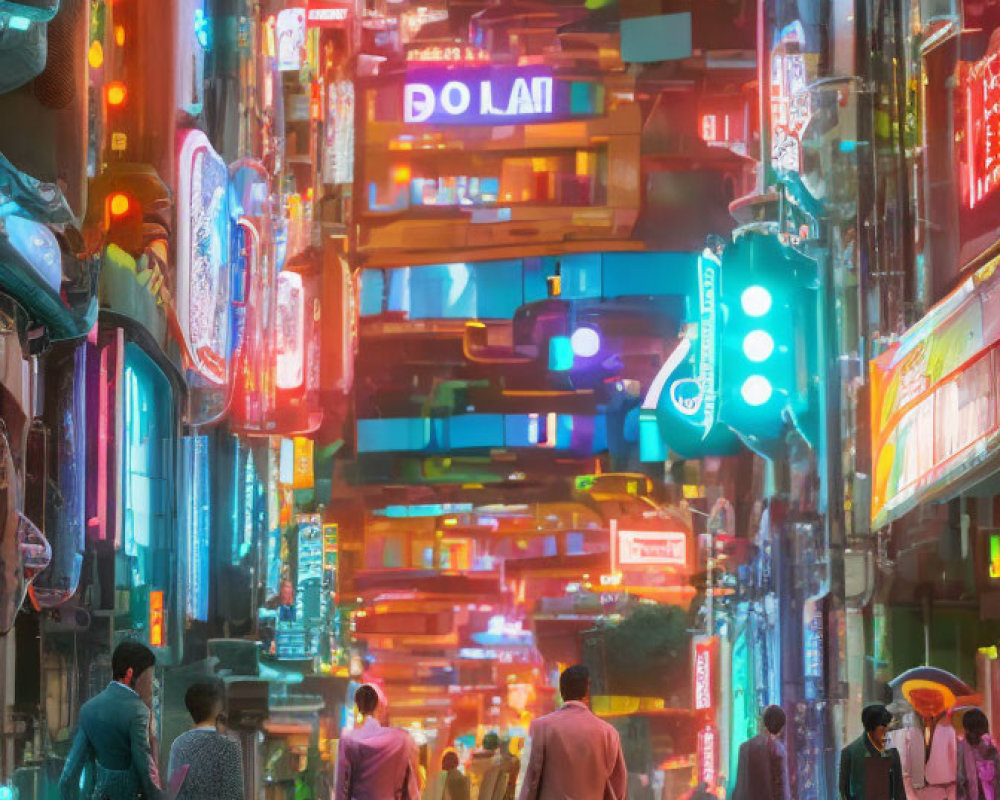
x: 129, y: 206
x: 767, y: 358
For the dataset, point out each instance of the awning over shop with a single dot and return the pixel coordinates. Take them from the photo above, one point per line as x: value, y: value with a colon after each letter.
x: 935, y: 401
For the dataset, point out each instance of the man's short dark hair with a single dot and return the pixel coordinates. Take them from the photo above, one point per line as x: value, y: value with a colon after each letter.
x: 366, y: 699
x: 574, y: 683
x: 774, y: 720
x: 131, y: 654
x: 875, y: 716
x: 202, y: 699
x: 491, y: 741
x: 449, y: 761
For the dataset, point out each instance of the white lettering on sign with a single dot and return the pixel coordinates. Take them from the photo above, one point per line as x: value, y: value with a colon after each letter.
x: 527, y: 97
x: 327, y: 14
x: 652, y: 548
x: 702, y: 678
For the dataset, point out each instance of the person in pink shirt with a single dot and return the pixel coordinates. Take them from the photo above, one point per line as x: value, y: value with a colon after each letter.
x: 574, y: 754
x: 375, y: 762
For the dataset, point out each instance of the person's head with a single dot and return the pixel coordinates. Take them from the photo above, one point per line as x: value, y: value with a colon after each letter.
x: 976, y: 726
x: 132, y: 664
x: 449, y: 761
x: 204, y: 702
x: 574, y: 683
x: 875, y: 720
x: 715, y: 243
x: 366, y: 699
x: 774, y: 720
x: 491, y: 742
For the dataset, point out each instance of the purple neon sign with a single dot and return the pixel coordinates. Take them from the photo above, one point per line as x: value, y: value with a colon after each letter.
x: 490, y: 96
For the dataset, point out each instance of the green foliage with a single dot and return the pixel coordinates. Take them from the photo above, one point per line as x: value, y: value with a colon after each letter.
x: 647, y: 654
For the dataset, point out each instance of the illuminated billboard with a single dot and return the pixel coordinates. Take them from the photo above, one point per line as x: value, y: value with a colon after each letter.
x: 495, y: 96
x: 652, y: 548
x: 982, y: 134
x: 934, y: 398
x: 290, y: 331
x: 203, y: 256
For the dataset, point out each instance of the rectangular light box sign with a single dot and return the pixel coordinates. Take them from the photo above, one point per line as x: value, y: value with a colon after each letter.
x: 652, y: 548
x: 492, y: 96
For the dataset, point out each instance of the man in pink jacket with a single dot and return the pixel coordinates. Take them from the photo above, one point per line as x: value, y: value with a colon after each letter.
x: 376, y: 762
x: 574, y: 754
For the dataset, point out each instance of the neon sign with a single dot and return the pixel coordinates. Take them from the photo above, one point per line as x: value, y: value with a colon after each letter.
x: 653, y: 548
x: 982, y: 121
x: 156, y: 619
x: 290, y: 331
x: 482, y: 96
x: 321, y: 14
x: 203, y: 255
x: 791, y: 108
x: 703, y: 675
x: 708, y: 282
x: 708, y: 754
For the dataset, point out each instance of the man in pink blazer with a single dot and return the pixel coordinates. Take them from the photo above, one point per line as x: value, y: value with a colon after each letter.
x: 376, y: 762
x: 574, y: 754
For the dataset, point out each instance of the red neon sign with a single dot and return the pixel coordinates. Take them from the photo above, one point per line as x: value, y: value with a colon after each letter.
x: 982, y: 124
x: 703, y: 652
x: 708, y: 754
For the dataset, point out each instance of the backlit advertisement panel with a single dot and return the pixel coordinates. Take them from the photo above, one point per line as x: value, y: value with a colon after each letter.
x: 934, y: 397
x: 652, y: 548
x: 291, y: 331
x: 203, y: 256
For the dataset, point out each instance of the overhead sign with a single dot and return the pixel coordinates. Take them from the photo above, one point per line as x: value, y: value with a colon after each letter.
x: 486, y: 95
x: 652, y: 548
x: 320, y: 14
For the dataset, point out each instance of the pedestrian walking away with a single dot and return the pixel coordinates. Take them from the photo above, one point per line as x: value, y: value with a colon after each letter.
x: 978, y: 760
x: 204, y: 763
x: 574, y: 754
x: 111, y: 748
x: 761, y: 772
x: 376, y: 762
x: 868, y: 769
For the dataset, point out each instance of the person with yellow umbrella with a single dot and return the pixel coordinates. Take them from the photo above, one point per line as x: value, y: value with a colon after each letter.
x: 928, y: 744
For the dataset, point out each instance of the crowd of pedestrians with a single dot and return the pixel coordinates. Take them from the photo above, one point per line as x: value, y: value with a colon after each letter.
x: 574, y: 754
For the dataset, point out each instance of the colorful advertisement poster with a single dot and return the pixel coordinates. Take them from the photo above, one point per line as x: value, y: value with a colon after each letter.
x: 290, y: 32
x: 982, y: 134
x: 203, y: 239
x: 791, y: 106
x: 934, y: 397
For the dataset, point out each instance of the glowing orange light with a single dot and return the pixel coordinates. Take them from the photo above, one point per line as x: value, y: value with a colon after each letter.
x: 95, y: 55
x: 156, y: 619
x: 401, y: 174
x: 310, y: 194
x: 116, y: 94
x: 119, y: 204
x: 120, y: 35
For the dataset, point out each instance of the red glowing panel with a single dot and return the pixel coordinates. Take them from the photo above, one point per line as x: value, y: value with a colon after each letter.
x: 291, y: 331
x: 703, y: 652
x: 708, y: 754
x: 982, y: 123
x: 156, y: 619
x: 652, y: 548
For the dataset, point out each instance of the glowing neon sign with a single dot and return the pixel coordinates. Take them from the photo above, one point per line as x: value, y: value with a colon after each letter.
x: 652, y: 548
x: 323, y: 14
x: 703, y: 675
x: 708, y: 754
x: 481, y: 96
x: 708, y: 283
x: 982, y: 122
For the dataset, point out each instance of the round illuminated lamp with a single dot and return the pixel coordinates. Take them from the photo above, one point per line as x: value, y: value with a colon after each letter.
x: 585, y: 342
x: 116, y: 93
x: 119, y: 204
x: 758, y: 346
x: 756, y: 301
x: 756, y: 390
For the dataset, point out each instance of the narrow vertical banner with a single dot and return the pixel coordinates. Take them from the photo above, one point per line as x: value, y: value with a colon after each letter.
x: 197, y: 522
x: 704, y: 674
x: 708, y: 755
x: 156, y: 621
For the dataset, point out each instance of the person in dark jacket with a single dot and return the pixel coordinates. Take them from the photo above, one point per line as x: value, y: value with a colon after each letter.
x: 760, y: 772
x: 869, y: 770
x: 112, y: 740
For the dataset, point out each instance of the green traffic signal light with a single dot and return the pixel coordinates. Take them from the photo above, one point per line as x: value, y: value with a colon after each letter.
x: 756, y: 390
x: 758, y: 346
x: 756, y: 301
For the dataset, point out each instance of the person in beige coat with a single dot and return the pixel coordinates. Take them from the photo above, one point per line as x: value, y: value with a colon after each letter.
x: 574, y: 754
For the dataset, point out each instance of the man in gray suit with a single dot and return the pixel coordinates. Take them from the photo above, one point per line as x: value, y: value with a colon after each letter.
x: 112, y: 740
x: 760, y: 774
